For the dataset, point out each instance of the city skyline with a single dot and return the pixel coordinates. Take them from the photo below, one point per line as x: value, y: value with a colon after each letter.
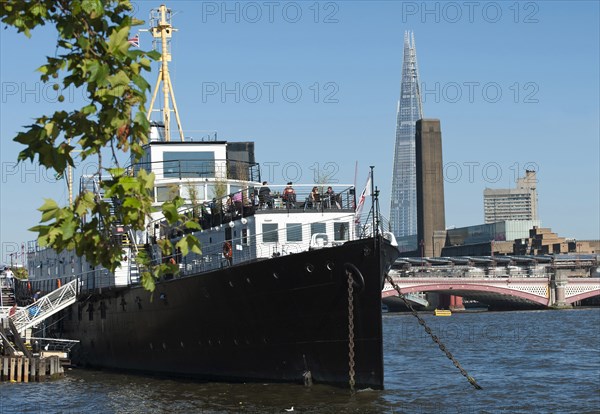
x: 317, y: 92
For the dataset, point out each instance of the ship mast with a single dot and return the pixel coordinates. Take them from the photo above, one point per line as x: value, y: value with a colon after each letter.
x: 161, y: 29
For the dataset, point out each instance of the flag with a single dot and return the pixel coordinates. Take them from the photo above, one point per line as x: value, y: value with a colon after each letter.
x: 135, y: 40
x: 361, y: 200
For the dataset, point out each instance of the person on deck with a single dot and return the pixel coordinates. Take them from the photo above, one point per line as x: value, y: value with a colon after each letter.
x: 314, y: 198
x: 10, y: 277
x: 331, y: 198
x: 12, y: 310
x: 289, y: 196
x: 264, y: 196
x: 237, y: 203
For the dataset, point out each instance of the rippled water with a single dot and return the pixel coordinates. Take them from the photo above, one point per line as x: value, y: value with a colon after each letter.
x: 541, y: 361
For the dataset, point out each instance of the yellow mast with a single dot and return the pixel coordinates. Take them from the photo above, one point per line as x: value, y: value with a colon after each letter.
x: 161, y: 29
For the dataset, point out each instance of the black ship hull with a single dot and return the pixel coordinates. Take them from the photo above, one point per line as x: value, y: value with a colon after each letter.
x: 269, y: 320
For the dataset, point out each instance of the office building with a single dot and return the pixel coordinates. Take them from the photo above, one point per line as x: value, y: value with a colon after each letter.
x: 518, y: 203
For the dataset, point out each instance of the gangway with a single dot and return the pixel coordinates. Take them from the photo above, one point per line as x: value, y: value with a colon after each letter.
x: 419, y: 299
x: 46, y: 306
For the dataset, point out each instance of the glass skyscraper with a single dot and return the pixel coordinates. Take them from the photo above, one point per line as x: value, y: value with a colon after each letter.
x: 403, y: 212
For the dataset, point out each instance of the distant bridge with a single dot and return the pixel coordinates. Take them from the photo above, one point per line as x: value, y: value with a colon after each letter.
x: 544, y: 291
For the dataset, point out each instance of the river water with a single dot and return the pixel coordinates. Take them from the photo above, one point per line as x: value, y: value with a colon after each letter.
x: 538, y: 361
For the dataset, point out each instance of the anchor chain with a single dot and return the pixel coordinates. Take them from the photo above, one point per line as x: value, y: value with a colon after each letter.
x: 351, y: 372
x: 433, y: 336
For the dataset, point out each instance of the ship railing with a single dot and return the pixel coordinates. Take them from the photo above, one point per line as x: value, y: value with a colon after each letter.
x: 54, y: 344
x: 246, y: 202
x: 247, y: 248
x: 342, y: 198
x: 46, y: 306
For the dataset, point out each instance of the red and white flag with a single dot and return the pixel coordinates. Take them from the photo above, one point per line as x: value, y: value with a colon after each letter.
x: 361, y: 200
x: 135, y: 40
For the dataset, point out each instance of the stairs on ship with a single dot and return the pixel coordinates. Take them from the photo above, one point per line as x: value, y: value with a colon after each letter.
x: 128, y: 272
x: 8, y: 297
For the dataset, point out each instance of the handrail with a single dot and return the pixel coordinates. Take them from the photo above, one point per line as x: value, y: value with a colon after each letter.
x: 46, y: 306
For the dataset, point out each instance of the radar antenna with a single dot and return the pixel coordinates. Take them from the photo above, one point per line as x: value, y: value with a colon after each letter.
x: 161, y: 29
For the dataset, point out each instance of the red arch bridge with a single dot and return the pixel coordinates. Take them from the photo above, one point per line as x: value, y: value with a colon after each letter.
x: 536, y: 291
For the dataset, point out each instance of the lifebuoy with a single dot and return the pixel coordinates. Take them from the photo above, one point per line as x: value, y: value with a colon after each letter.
x: 29, y: 287
x: 227, y: 250
x: 58, y: 284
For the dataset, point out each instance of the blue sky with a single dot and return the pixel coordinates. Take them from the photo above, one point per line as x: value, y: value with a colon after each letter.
x: 515, y: 85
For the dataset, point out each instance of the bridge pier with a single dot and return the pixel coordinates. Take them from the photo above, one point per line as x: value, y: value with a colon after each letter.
x: 558, y: 283
x: 456, y: 303
x: 445, y: 301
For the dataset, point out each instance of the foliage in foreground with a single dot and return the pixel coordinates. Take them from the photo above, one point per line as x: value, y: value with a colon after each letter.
x: 93, y: 54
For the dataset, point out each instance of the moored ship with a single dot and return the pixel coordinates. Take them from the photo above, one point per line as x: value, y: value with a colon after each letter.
x: 287, y: 287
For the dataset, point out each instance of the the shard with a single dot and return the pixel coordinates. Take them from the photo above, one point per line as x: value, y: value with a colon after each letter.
x: 403, y: 212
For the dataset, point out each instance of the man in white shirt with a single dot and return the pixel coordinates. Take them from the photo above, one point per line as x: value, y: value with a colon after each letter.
x: 9, y: 276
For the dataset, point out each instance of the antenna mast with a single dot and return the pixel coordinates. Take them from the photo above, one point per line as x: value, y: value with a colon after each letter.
x: 161, y: 29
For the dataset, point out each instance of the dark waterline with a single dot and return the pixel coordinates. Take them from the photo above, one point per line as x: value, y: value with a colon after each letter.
x: 535, y: 361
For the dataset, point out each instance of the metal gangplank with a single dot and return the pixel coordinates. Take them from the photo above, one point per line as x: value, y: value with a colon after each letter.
x: 46, y: 306
x: 417, y: 298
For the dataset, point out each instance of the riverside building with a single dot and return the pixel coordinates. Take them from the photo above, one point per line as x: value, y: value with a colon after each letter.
x: 518, y: 203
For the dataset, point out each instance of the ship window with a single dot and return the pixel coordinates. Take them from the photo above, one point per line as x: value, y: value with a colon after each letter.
x: 317, y: 228
x: 195, y: 192
x: 294, y: 232
x: 218, y: 192
x: 167, y: 193
x: 245, y: 237
x: 197, y: 164
x: 340, y: 231
x: 270, y: 233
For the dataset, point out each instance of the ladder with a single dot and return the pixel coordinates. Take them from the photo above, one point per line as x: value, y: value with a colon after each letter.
x: 46, y: 306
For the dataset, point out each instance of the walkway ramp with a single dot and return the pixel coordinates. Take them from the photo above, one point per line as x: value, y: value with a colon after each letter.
x: 418, y: 299
x: 45, y: 307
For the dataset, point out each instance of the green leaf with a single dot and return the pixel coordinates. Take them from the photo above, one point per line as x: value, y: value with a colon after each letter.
x: 119, y: 79
x: 154, y: 55
x: 84, y: 202
x: 170, y: 212
x: 98, y: 72
x: 132, y: 203
x: 68, y: 229
x: 49, y: 128
x: 92, y: 7
x: 148, y: 281
x: 89, y: 109
x: 118, y: 38
x: 48, y: 209
x: 183, y: 246
x: 146, y: 64
x: 194, y: 244
x: 192, y: 225
x: 188, y: 243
